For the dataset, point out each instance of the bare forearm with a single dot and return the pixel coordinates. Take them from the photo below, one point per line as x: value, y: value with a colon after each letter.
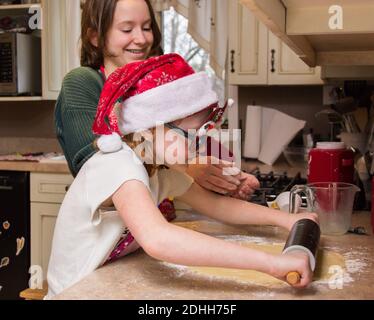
x: 191, y: 248
x: 233, y: 211
x: 171, y: 243
x: 242, y: 212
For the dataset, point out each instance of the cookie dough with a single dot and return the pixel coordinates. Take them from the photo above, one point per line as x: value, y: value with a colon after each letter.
x: 327, y: 261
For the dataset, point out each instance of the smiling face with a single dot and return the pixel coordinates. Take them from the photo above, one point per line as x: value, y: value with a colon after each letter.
x: 130, y: 37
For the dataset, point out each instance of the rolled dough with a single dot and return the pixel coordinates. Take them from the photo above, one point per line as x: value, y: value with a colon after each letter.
x: 325, y: 259
x: 205, y: 226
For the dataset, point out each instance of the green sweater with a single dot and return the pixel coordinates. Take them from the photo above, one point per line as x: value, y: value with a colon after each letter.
x: 75, y: 113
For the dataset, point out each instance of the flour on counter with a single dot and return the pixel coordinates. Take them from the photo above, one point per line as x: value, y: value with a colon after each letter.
x: 243, y: 239
x: 336, y: 269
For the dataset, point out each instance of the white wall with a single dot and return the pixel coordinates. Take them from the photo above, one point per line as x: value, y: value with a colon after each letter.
x: 302, y: 102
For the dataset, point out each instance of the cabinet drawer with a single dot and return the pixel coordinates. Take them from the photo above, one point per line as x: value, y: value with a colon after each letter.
x: 45, y: 187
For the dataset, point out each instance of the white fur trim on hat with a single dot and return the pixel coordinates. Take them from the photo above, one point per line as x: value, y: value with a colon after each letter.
x: 169, y: 102
x: 109, y: 143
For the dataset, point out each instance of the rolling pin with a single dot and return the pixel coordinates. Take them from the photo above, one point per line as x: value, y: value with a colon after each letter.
x: 304, y: 237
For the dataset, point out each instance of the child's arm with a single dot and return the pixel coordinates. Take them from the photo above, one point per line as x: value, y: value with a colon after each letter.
x: 235, y: 211
x: 167, y: 242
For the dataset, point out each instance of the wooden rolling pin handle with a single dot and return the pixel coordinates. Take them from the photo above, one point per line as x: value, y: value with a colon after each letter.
x: 293, y: 278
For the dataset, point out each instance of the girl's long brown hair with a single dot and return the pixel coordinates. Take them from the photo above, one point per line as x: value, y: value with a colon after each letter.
x: 151, y: 168
x: 97, y: 16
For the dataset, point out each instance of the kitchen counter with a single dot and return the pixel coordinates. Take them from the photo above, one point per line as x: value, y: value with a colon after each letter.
x: 138, y: 276
x: 45, y: 166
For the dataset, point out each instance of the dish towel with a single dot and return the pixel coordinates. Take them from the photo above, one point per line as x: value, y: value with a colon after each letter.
x: 268, y: 132
x: 278, y: 130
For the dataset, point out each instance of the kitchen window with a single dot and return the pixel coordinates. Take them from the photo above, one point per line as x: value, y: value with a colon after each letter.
x: 177, y: 39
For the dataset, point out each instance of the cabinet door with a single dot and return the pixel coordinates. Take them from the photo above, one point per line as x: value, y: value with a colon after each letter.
x: 248, y: 42
x: 43, y: 219
x: 286, y: 68
x: 48, y: 187
x: 60, y: 37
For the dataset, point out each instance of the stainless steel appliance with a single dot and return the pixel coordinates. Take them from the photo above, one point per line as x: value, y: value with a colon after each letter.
x: 271, y: 185
x: 14, y: 233
x: 20, y: 69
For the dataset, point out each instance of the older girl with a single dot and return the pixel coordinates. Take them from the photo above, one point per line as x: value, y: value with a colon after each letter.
x: 115, y: 33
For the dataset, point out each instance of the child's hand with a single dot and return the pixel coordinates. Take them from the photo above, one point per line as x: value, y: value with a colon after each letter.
x: 299, y: 262
x: 249, y: 184
x: 294, y: 217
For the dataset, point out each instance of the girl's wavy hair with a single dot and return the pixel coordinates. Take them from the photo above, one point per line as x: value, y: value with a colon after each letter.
x: 133, y: 144
x: 97, y: 16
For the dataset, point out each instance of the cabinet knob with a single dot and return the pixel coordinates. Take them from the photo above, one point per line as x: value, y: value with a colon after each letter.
x: 272, y: 61
x: 67, y: 188
x: 232, y: 61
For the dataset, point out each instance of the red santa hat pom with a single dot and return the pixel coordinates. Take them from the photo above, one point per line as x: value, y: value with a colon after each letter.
x: 158, y: 90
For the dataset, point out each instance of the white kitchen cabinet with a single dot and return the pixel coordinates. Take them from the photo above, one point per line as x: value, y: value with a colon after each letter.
x: 257, y: 57
x: 248, y: 45
x: 59, y: 21
x: 287, y: 68
x: 47, y: 192
x: 60, y: 43
x: 43, y: 220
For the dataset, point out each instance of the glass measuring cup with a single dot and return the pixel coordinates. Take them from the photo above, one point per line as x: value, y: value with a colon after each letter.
x: 332, y: 201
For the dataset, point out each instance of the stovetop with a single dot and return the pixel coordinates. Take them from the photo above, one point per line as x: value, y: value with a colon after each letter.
x: 271, y: 185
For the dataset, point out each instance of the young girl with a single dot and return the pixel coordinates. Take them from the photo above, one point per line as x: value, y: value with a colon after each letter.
x: 90, y: 232
x: 114, y: 33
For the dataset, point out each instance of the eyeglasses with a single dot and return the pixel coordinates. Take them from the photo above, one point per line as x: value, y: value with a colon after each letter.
x: 195, y: 140
x: 214, y: 120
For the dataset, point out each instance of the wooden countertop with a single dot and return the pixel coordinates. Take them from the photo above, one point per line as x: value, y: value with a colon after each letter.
x: 45, y: 166
x: 138, y: 276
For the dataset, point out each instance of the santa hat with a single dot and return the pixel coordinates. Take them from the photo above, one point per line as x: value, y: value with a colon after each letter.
x: 158, y: 90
